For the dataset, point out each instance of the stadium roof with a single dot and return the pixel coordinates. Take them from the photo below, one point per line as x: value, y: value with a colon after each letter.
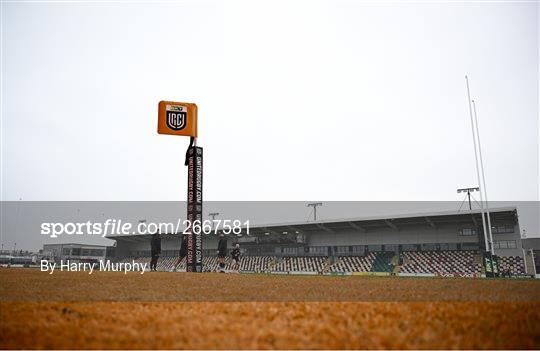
x: 75, y: 244
x: 395, y: 222
x: 365, y: 224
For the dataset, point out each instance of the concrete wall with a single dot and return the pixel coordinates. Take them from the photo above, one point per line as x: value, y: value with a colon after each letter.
x: 416, y: 235
x: 515, y: 236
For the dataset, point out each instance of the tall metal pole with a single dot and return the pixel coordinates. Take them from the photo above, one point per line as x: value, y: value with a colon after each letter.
x: 476, y: 161
x: 213, y: 215
x: 314, y: 205
x: 483, y: 179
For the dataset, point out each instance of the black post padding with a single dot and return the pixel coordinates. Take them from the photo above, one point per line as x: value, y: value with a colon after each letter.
x: 488, y: 266
x: 194, y: 209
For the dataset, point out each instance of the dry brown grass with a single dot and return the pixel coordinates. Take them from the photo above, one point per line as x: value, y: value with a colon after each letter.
x: 108, y: 310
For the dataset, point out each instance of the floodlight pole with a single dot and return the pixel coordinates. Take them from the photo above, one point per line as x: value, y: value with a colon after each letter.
x: 314, y: 205
x: 468, y: 191
x: 213, y: 215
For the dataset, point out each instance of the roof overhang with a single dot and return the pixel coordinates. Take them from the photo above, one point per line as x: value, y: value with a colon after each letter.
x: 365, y: 224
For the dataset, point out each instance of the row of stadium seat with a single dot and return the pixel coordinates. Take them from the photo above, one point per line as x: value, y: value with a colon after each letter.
x: 443, y: 262
x: 465, y: 263
x: 514, y: 265
x: 354, y: 263
x: 300, y: 264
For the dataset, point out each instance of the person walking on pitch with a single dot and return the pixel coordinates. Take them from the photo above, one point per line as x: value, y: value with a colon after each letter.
x: 235, y: 254
x: 222, y: 252
x: 183, y: 252
x: 155, y: 250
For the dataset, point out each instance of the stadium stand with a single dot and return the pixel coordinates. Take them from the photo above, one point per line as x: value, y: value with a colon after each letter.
x: 300, y: 264
x: 514, y: 265
x: 464, y: 263
x: 449, y: 263
x: 436, y: 243
x: 166, y: 263
x: 257, y: 264
x: 354, y: 263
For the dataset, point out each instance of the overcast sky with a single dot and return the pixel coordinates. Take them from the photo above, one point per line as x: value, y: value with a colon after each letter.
x: 298, y: 100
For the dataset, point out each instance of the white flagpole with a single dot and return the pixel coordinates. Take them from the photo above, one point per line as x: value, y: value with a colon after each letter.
x: 477, y: 169
x: 483, y: 178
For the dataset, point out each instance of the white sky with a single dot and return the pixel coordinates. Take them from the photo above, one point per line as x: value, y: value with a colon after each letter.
x: 298, y: 100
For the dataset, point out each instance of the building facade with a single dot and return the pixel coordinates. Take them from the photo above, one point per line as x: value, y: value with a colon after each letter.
x: 436, y: 231
x: 72, y: 251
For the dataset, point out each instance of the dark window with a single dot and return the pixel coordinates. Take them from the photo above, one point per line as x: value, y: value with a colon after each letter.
x: 391, y: 248
x: 323, y: 250
x: 470, y: 247
x: 290, y: 250
x: 505, y: 244
x: 374, y: 248
x: 502, y: 229
x: 429, y: 247
x: 359, y: 249
x: 96, y: 252
x: 467, y: 231
x: 409, y: 247
x: 444, y: 247
x: 343, y: 249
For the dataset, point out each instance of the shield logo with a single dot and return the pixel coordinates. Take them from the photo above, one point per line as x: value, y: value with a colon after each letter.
x: 176, y: 117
